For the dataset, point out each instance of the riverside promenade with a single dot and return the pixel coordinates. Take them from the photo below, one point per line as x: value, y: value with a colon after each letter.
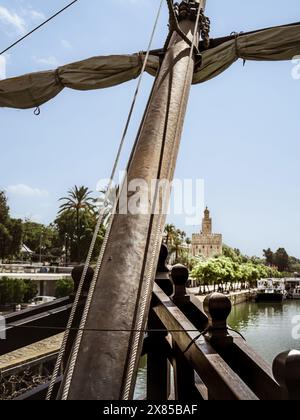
x: 235, y: 297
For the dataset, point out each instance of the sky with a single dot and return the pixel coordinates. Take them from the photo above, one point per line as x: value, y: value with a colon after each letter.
x: 241, y: 131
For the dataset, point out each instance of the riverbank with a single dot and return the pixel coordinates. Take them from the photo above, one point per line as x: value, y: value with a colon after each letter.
x: 236, y: 298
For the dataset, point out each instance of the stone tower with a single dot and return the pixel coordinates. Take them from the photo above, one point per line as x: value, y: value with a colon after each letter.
x: 206, y: 223
x: 206, y: 243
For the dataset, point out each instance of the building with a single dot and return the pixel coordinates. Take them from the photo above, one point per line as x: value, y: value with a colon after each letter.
x: 206, y: 243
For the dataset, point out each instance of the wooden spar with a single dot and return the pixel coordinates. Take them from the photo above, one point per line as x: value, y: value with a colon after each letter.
x: 106, y: 363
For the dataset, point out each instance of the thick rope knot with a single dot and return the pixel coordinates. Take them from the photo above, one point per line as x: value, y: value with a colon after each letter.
x: 237, y: 49
x: 141, y: 58
x: 58, y: 79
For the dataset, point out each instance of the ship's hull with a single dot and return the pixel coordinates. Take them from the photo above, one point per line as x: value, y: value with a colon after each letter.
x: 269, y: 297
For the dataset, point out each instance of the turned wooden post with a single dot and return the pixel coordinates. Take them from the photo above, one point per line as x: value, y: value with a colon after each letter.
x: 184, y: 375
x: 180, y: 276
x: 286, y: 370
x: 76, y: 276
x: 163, y: 272
x: 217, y: 307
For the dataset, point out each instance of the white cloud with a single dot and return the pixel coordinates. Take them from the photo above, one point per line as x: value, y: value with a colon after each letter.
x: 66, y: 44
x: 35, y: 15
x: 50, y: 61
x: 12, y: 19
x: 23, y: 190
x: 2, y: 67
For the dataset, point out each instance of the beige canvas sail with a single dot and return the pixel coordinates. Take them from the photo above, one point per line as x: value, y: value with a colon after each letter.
x: 34, y: 89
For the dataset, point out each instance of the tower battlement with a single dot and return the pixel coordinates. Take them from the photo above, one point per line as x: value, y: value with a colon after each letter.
x: 206, y: 243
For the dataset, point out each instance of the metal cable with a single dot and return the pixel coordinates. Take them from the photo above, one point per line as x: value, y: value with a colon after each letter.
x: 143, y: 305
x: 38, y: 27
x: 50, y: 328
x: 75, y: 351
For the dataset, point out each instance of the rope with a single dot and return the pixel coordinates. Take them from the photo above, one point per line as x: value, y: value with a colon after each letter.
x: 195, y: 340
x: 51, y: 328
x: 135, y: 345
x: 236, y: 39
x: 237, y: 332
x: 74, y: 355
x: 38, y: 27
x: 174, y: 26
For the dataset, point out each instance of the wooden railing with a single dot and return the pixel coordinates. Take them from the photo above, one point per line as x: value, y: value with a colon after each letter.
x: 191, y: 352
x: 192, y: 342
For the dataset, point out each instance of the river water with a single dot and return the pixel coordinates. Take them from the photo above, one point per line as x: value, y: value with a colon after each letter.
x: 267, y: 327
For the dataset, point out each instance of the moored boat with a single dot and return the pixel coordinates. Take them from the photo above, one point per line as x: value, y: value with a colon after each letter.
x: 270, y: 290
x: 295, y: 293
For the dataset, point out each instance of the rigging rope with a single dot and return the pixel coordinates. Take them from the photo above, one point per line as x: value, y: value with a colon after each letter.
x: 89, y: 257
x: 38, y: 27
x: 143, y: 304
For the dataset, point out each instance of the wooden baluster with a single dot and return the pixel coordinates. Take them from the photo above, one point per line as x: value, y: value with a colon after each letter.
x: 158, y: 366
x: 184, y: 375
x: 163, y: 273
x: 217, y: 307
x: 76, y: 276
x: 286, y: 370
x: 180, y: 276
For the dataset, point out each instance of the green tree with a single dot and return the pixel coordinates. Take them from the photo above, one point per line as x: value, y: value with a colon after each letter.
x: 67, y: 233
x: 78, y: 203
x: 224, y: 273
x: 15, y: 228
x: 30, y: 291
x: 64, y: 288
x: 5, y: 241
x: 170, y: 234
x: 269, y: 256
x: 281, y: 259
x: 4, y: 209
x: 11, y: 291
x: 10, y: 231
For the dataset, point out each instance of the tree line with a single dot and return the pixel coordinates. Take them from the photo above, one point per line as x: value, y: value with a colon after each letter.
x: 282, y: 260
x: 232, y: 270
x: 66, y: 240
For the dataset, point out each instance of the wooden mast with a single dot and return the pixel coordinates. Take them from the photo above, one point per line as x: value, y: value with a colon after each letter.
x: 105, y: 365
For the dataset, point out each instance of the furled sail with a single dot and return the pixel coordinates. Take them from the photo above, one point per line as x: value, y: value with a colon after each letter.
x: 34, y: 89
x: 273, y: 44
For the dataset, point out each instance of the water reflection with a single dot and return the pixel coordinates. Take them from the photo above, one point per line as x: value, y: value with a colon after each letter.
x: 141, y: 383
x: 267, y: 326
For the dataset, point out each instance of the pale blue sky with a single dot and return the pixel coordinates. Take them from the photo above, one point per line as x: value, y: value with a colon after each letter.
x: 241, y: 133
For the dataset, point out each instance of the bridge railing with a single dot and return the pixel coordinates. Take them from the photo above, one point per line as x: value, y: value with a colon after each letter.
x: 193, y: 354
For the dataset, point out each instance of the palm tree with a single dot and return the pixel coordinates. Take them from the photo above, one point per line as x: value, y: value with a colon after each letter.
x: 78, y: 201
x: 170, y: 234
x: 106, y: 202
